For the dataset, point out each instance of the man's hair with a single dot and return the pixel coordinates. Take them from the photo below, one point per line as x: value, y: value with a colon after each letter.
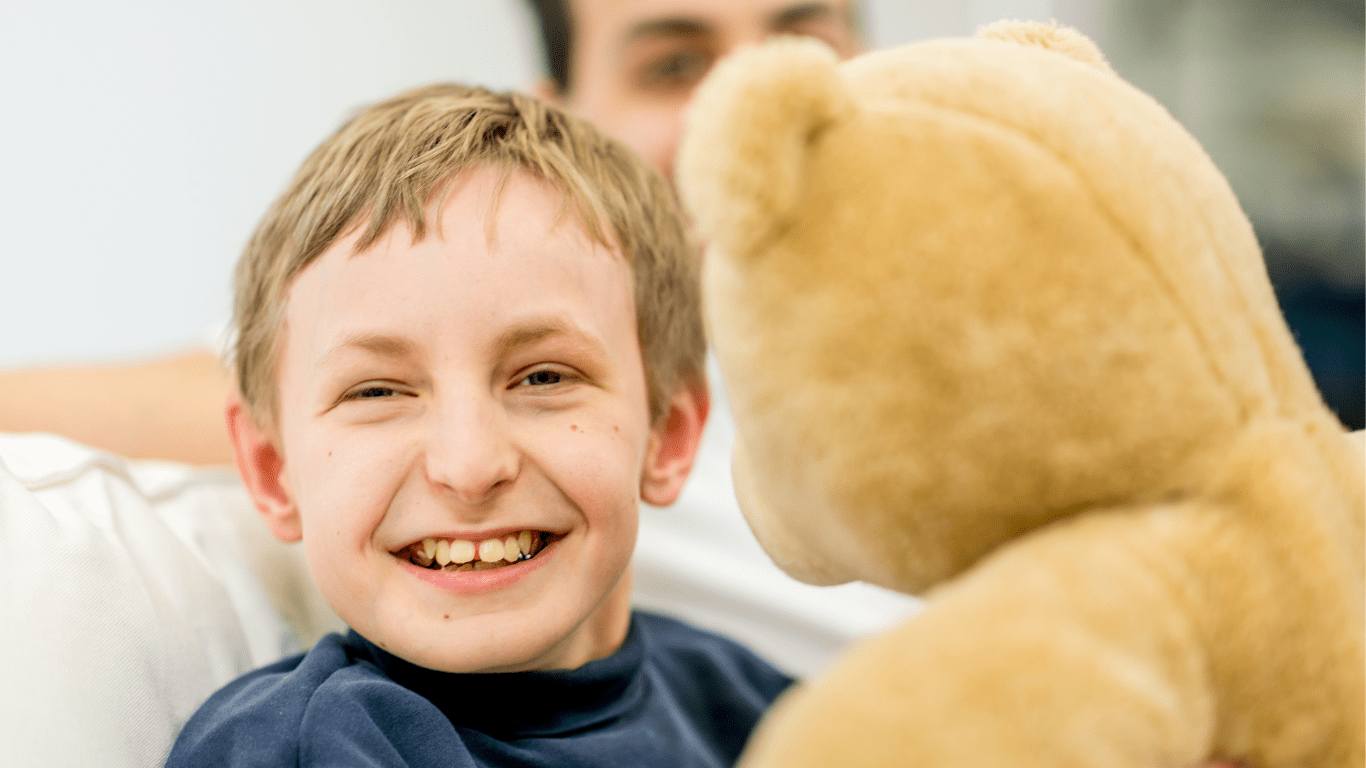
x: 557, y: 39
x: 389, y: 161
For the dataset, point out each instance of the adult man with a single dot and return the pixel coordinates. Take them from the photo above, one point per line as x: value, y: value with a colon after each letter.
x: 631, y: 66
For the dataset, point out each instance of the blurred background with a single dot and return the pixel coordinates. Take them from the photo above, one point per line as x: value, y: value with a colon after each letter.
x: 140, y: 140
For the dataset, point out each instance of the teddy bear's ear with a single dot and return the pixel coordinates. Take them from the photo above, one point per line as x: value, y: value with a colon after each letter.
x: 748, y: 130
x: 1065, y: 40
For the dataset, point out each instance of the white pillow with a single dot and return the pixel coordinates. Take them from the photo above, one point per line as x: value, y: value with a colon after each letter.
x: 128, y: 596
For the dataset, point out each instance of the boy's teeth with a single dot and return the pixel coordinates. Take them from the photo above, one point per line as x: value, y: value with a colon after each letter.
x: 491, y: 550
x: 462, y: 555
x: 462, y: 551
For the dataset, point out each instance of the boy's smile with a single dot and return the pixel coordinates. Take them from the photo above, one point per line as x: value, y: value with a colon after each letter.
x: 462, y: 435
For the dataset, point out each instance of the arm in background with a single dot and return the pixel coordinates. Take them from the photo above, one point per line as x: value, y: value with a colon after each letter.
x: 169, y: 408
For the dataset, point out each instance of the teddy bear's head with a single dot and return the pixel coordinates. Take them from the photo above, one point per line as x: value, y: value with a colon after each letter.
x: 964, y: 288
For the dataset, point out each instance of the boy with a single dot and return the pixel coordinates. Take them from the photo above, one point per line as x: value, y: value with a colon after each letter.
x: 469, y: 346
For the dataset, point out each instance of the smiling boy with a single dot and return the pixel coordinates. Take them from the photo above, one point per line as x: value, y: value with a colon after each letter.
x: 469, y: 347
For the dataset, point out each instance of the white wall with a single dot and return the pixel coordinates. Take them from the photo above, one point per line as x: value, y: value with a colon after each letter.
x: 892, y: 22
x: 140, y: 140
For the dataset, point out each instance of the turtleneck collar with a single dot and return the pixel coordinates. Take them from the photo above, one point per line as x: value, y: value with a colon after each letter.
x: 511, y: 705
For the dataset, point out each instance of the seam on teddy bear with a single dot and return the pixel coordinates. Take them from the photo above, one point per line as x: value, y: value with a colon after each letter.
x: 1134, y: 244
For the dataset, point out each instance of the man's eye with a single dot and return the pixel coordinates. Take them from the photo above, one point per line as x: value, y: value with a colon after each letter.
x: 542, y: 378
x: 679, y: 69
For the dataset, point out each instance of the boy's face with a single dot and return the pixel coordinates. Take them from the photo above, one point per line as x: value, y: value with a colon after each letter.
x: 469, y: 391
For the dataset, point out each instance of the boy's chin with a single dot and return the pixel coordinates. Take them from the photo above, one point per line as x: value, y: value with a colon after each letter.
x: 516, y: 640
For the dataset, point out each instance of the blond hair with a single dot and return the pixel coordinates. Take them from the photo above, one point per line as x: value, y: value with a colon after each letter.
x: 385, y: 164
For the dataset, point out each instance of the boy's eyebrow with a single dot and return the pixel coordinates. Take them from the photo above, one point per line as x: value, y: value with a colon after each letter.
x: 532, y: 333
x: 374, y: 343
x: 385, y: 345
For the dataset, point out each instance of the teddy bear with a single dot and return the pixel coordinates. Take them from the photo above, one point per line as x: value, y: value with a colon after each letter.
x: 996, y: 332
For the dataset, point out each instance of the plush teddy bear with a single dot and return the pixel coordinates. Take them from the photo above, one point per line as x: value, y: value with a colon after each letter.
x: 996, y: 332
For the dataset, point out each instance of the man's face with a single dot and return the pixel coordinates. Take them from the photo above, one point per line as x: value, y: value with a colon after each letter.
x: 474, y: 393
x: 635, y: 63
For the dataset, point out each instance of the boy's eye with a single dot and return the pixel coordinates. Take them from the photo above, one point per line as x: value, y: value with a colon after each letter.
x: 372, y: 391
x: 542, y: 378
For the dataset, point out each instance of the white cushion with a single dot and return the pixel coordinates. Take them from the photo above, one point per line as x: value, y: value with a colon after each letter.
x: 128, y: 595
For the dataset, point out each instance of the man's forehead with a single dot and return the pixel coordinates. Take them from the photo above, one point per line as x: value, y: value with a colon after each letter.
x: 635, y: 18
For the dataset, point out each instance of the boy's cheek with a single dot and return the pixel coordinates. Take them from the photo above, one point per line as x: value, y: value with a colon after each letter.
x: 609, y: 447
x: 344, y: 471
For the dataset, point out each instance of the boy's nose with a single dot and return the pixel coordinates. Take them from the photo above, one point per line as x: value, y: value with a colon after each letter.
x: 469, y: 452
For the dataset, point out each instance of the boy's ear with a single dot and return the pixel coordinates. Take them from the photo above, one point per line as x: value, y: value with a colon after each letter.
x: 674, y: 441
x: 261, y: 464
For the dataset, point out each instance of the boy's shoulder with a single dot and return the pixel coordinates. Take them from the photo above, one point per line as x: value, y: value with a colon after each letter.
x: 293, y: 711
x: 695, y: 694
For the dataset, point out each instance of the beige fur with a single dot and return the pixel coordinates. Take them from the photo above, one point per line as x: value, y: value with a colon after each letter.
x: 996, y: 331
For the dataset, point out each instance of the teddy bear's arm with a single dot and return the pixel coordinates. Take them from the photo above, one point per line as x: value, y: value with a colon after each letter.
x: 1040, y: 657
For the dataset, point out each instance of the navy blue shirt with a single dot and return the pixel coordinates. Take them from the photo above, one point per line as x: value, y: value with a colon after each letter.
x: 672, y: 695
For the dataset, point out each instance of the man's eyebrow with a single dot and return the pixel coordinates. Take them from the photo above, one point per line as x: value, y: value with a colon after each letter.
x: 793, y: 15
x: 374, y: 343
x: 667, y: 26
